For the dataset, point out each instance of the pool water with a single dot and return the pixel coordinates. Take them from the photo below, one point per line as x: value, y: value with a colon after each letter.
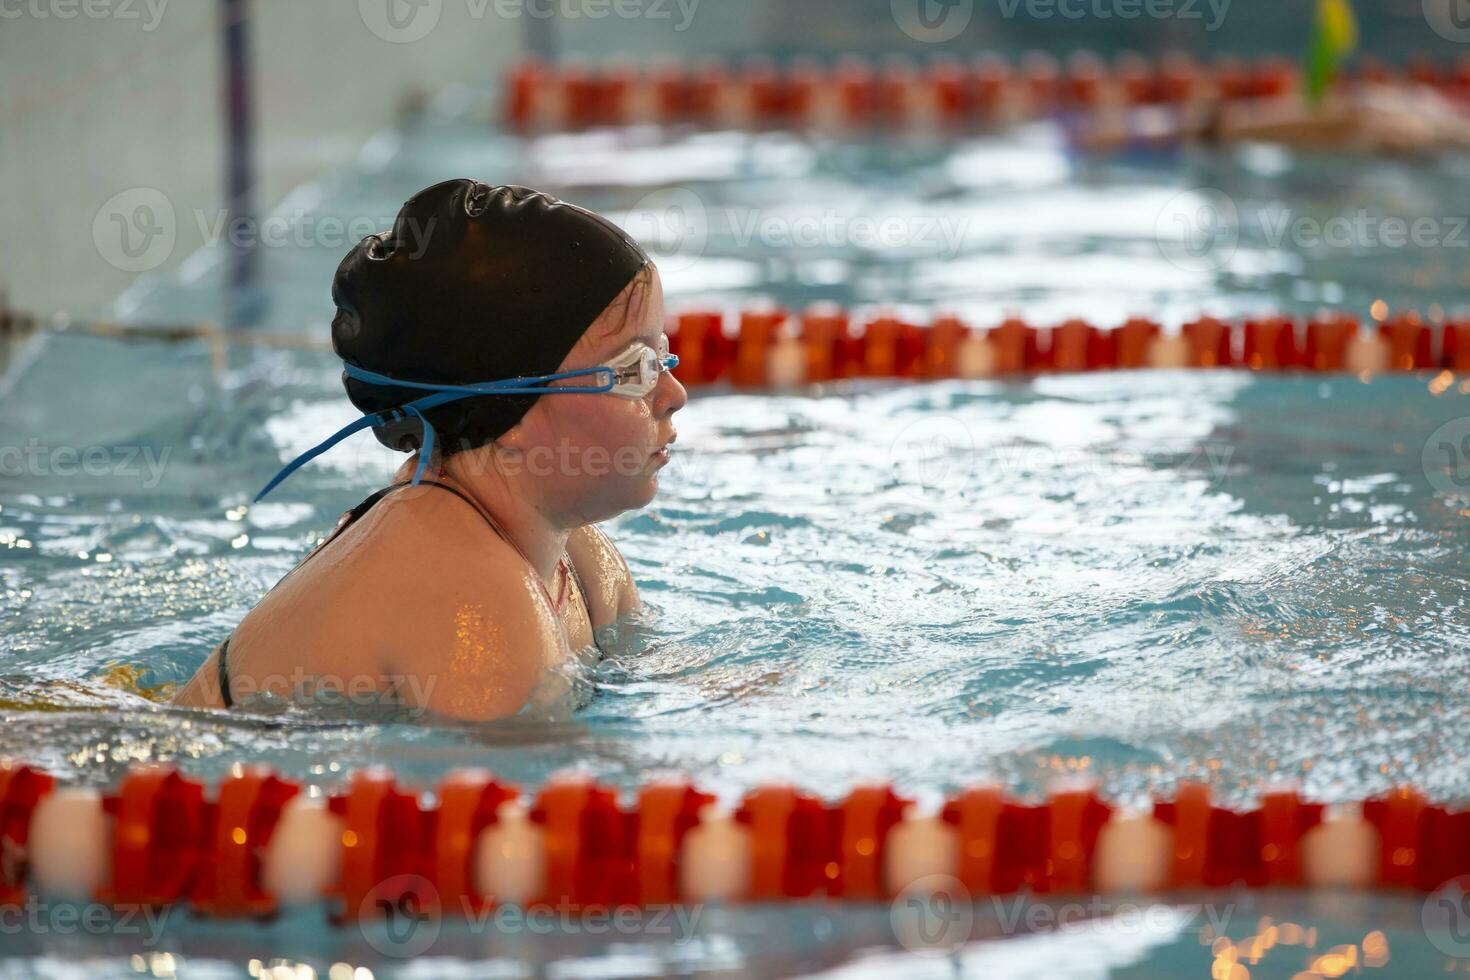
x: 1137, y: 577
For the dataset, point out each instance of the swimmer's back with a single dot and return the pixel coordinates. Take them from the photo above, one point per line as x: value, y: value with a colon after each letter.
x: 421, y: 598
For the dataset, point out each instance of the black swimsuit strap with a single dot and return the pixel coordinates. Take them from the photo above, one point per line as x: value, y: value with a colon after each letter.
x: 576, y: 575
x: 349, y: 518
x: 224, y: 675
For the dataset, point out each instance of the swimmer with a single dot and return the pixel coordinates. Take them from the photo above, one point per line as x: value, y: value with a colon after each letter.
x: 1368, y: 117
x: 1371, y: 118
x: 514, y: 345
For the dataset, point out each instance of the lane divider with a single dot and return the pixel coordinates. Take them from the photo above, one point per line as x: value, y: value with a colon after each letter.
x: 763, y: 348
x: 769, y: 347
x: 258, y: 844
x: 855, y: 92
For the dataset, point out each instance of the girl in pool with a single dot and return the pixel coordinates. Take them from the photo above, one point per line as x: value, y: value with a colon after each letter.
x: 481, y: 569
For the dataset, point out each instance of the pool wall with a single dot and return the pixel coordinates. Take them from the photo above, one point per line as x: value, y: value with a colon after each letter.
x: 131, y: 102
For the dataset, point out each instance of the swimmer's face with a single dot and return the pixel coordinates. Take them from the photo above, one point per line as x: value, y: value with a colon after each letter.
x: 589, y: 457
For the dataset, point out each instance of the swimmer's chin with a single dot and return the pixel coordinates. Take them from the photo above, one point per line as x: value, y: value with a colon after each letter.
x: 650, y: 491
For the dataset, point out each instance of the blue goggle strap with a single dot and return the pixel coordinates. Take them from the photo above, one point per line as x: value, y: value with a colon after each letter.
x: 444, y: 394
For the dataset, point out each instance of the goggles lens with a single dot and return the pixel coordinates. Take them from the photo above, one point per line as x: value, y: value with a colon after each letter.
x: 635, y: 372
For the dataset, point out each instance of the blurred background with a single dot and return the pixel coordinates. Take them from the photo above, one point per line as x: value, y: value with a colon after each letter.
x: 1137, y: 577
x: 225, y: 106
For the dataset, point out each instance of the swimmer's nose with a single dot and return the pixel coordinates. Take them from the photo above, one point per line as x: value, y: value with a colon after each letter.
x: 669, y: 395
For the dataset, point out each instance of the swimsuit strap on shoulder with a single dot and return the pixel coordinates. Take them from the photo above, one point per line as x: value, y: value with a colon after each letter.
x: 556, y: 605
x: 224, y: 675
x: 352, y: 515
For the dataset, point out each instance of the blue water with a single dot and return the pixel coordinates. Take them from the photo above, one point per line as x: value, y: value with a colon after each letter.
x: 1139, y: 577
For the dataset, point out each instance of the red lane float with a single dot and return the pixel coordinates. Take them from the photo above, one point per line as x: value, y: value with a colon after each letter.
x: 791, y: 847
x: 860, y: 831
x: 667, y: 811
x: 247, y: 809
x: 169, y: 841
x: 1327, y: 338
x: 161, y: 837
x: 21, y: 788
x: 1455, y: 352
x: 469, y: 803
x: 1410, y: 342
x: 853, y: 92
x: 384, y: 847
x: 769, y: 347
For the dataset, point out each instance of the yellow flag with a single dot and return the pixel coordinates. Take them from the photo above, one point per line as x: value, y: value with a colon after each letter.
x: 1335, y: 37
x: 1338, y: 25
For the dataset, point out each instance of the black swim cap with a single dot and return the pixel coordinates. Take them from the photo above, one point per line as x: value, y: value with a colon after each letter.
x: 474, y: 283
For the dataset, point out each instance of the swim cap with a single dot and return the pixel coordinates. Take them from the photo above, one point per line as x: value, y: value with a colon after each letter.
x: 474, y: 283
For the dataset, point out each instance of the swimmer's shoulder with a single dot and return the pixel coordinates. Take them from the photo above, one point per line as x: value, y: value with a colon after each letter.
x: 470, y: 634
x: 611, y: 592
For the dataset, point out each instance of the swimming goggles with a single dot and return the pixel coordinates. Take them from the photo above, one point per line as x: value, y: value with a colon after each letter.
x: 632, y: 373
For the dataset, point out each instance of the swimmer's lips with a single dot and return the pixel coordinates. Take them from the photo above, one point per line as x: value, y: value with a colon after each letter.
x: 663, y: 454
